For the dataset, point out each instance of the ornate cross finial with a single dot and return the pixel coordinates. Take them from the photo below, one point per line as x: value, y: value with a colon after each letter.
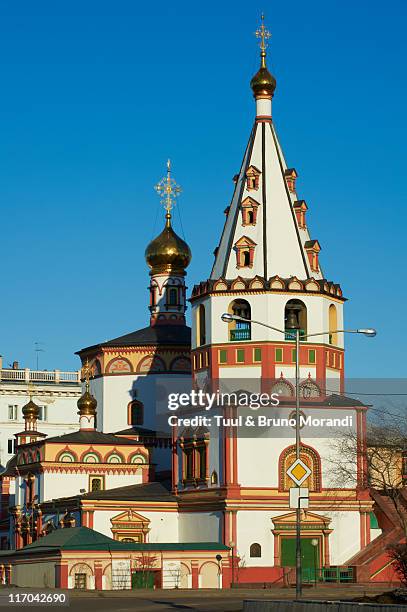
x: 264, y: 35
x: 86, y: 373
x: 30, y: 390
x: 168, y: 189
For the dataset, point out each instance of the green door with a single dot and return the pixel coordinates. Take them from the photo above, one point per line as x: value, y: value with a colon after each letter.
x: 309, y: 553
x: 142, y: 579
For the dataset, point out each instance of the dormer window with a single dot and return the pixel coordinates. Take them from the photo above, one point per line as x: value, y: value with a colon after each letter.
x: 245, y: 252
x: 249, y: 211
x: 313, y: 248
x: 252, y: 178
x: 291, y: 177
x: 300, y: 208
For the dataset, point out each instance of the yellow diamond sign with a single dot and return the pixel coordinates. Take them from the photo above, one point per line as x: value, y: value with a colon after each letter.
x: 298, y: 472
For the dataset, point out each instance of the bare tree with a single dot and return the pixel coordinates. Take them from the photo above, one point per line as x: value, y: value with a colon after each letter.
x: 145, y: 564
x: 381, y: 457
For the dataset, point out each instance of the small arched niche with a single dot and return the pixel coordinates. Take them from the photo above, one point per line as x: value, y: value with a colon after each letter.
x: 333, y: 324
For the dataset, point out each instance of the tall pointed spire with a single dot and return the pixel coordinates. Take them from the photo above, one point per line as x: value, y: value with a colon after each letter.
x: 265, y: 232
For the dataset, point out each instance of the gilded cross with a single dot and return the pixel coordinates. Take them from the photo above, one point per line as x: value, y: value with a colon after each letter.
x: 30, y: 390
x: 168, y: 189
x: 86, y: 373
x: 263, y: 34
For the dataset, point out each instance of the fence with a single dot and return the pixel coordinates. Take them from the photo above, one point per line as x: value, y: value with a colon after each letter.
x: 49, y: 376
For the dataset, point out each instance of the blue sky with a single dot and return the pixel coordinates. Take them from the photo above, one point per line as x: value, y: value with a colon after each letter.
x: 96, y: 96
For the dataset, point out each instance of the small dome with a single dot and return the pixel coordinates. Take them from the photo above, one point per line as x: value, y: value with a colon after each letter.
x: 31, y: 410
x: 168, y: 252
x: 87, y: 404
x: 263, y: 83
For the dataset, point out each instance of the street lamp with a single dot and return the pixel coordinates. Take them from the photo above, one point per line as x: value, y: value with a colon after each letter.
x: 293, y: 332
x: 314, y: 543
x: 232, y: 550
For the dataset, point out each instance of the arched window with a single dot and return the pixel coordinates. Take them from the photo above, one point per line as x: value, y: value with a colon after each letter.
x: 333, y: 324
x: 135, y: 412
x: 245, y: 259
x: 172, y: 296
x: 201, y: 450
x: 240, y: 330
x: 214, y: 478
x: 250, y: 217
x: 194, y: 445
x: 201, y: 326
x: 188, y: 463
x: 295, y: 316
x: 255, y: 550
x: 310, y: 457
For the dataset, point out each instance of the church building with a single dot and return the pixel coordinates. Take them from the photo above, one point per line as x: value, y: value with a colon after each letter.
x: 214, y: 501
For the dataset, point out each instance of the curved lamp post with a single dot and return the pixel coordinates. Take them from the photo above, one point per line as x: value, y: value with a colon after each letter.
x: 293, y: 333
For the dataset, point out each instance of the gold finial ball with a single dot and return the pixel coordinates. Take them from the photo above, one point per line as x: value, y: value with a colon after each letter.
x: 168, y: 252
x: 31, y: 410
x: 263, y: 83
x: 87, y: 405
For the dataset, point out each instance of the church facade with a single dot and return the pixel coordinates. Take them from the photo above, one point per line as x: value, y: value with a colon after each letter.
x: 215, y: 495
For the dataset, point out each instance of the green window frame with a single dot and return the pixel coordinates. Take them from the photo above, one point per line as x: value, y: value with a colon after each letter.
x: 293, y: 355
x: 312, y: 356
x: 279, y: 355
x: 257, y: 354
x: 223, y: 356
x: 240, y: 355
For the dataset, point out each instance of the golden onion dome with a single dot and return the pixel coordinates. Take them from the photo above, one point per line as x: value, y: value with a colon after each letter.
x: 31, y: 410
x: 263, y: 83
x: 168, y: 252
x: 87, y: 404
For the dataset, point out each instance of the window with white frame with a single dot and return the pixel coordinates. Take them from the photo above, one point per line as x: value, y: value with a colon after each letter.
x: 12, y: 412
x: 43, y: 413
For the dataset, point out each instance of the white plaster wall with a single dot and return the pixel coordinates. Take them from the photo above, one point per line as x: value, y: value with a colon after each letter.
x: 200, y: 526
x: 255, y: 527
x: 163, y: 525
x: 344, y: 541
x: 258, y: 460
x: 54, y: 486
x: 333, y: 381
x: 118, y: 391
x: 40, y: 574
x: 61, y: 412
x: 258, y: 455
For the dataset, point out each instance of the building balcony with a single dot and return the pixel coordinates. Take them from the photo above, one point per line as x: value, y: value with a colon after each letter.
x: 290, y: 334
x: 240, y: 334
